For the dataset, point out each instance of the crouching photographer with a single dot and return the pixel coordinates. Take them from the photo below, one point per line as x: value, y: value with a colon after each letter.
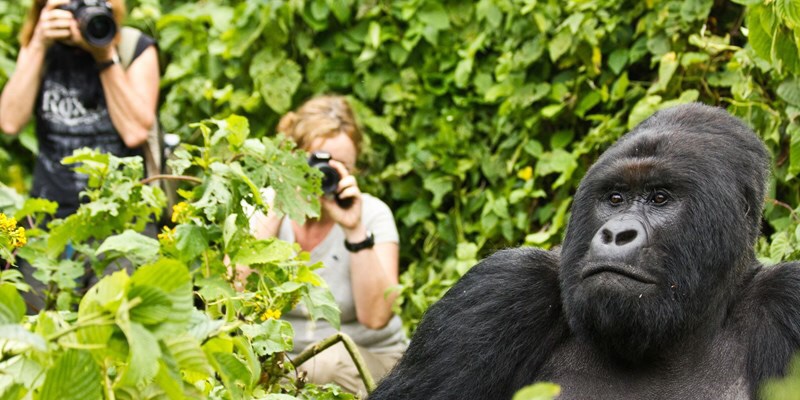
x: 86, y: 84
x: 356, y: 239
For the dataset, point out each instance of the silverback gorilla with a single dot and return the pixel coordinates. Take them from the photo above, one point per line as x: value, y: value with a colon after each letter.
x: 656, y: 292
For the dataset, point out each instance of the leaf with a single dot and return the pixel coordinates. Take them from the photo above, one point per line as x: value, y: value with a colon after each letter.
x: 154, y: 308
x: 434, y: 15
x: 186, y: 351
x: 560, y: 44
x: 15, y: 338
x: 760, y: 30
x: 143, y: 354
x: 75, y: 376
x: 234, y: 129
x: 781, y: 246
x: 233, y: 371
x: 618, y: 60
x: 789, y: 91
x: 35, y: 206
x: 190, y: 241
x: 538, y: 391
x: 269, y: 337
x: 132, y: 245
x: 643, y: 109
x: 173, y: 279
x: 12, y: 306
x: 277, y: 78
x: 320, y: 304
x: 667, y: 67
x: 265, y: 252
x: 793, y: 131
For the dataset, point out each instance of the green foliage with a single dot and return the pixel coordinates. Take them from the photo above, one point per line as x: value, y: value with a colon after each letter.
x: 481, y: 116
x: 139, y: 335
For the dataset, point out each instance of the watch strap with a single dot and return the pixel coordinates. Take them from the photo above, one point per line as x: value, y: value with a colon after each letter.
x: 103, y: 65
x: 364, y: 244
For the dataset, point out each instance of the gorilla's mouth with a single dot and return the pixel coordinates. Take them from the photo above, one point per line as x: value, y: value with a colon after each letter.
x: 628, y: 271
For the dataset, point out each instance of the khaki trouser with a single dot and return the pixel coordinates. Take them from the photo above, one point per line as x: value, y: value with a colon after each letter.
x: 334, y: 365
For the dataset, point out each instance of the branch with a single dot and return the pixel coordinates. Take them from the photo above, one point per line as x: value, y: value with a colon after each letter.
x: 351, y: 347
x: 149, y: 179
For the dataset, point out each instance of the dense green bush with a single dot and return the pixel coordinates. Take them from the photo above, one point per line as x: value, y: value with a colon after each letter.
x: 483, y: 115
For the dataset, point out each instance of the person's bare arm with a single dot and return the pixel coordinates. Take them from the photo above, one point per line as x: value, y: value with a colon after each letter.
x: 19, y: 95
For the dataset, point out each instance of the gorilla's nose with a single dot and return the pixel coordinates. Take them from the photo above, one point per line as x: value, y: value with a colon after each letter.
x: 618, y: 240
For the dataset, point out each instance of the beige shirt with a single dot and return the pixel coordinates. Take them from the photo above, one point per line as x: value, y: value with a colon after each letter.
x: 378, y: 219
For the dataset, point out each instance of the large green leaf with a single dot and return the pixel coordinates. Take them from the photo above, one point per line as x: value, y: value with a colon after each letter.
x: 12, y: 306
x: 132, y: 245
x: 75, y: 376
x: 171, y: 278
x: 143, y: 353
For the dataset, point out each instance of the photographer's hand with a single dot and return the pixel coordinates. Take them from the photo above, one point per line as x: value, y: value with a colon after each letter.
x: 348, y: 218
x: 54, y: 24
x: 19, y: 93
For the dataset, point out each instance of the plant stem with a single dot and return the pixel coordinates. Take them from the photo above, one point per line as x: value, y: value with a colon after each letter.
x: 171, y: 178
x: 351, y: 347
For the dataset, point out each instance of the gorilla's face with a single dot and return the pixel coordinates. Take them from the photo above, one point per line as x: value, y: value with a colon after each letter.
x: 660, y: 226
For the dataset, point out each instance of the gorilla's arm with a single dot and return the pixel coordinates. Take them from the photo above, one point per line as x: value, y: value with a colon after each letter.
x: 487, y: 336
x: 775, y: 300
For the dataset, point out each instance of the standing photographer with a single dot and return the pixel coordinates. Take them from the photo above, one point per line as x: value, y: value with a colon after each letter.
x: 69, y: 76
x: 356, y: 239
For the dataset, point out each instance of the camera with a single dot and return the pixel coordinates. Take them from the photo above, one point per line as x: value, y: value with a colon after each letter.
x: 95, y: 20
x: 330, y: 177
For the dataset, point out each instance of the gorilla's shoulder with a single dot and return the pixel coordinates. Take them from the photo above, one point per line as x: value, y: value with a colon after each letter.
x: 502, y: 317
x: 523, y: 282
x: 522, y: 262
x: 776, y: 290
x: 770, y: 312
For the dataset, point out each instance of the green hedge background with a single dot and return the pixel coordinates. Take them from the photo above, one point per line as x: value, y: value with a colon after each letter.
x: 482, y: 116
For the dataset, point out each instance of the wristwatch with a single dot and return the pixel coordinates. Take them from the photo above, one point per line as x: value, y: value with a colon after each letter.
x: 103, y: 65
x: 364, y: 244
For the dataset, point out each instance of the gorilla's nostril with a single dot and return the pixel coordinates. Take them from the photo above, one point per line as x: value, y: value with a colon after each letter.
x: 625, y: 237
x: 606, y: 236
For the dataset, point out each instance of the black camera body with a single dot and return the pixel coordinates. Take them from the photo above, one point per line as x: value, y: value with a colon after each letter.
x: 330, y: 177
x: 95, y: 20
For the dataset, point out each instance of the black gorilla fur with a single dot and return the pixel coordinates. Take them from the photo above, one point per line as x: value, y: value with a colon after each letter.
x: 656, y: 294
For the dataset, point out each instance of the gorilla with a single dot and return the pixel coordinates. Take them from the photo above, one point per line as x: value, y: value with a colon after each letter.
x: 656, y: 292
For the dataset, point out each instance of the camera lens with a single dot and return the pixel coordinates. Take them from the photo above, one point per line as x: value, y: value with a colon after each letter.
x: 97, y: 26
x: 330, y: 178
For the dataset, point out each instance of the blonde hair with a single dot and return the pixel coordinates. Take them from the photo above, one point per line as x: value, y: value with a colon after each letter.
x: 321, y: 117
x: 25, y: 35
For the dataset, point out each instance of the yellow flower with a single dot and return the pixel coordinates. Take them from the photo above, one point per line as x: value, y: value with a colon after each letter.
x: 274, y: 314
x: 8, y: 227
x: 181, y: 212
x: 525, y: 174
x: 167, y: 235
x: 18, y: 238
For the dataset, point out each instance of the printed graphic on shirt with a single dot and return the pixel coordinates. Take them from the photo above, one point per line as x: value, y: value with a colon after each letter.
x: 62, y: 106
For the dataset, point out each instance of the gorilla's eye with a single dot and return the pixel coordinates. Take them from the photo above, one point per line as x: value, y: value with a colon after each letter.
x: 659, y: 198
x: 615, y: 198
